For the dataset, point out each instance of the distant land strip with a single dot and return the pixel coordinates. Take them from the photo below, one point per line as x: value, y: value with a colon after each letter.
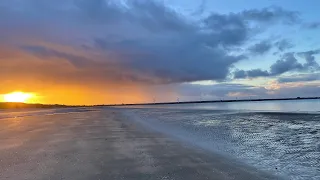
x: 14, y: 105
x: 216, y: 101
x: 9, y: 105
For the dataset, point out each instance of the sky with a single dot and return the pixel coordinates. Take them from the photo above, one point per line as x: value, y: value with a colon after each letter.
x: 134, y: 51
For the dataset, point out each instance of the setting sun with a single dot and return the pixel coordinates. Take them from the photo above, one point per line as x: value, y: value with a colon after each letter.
x: 17, y: 97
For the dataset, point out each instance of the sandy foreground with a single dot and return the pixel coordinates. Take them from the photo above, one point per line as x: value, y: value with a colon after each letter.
x: 103, y: 145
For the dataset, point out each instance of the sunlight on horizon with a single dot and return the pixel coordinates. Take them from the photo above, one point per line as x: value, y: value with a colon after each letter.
x: 20, y: 97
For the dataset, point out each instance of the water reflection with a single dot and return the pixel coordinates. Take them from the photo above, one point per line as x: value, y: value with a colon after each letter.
x: 276, y: 136
x: 278, y: 106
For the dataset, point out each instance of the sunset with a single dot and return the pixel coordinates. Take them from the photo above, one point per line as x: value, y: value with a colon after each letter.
x: 18, y: 97
x: 159, y: 89
x: 71, y: 47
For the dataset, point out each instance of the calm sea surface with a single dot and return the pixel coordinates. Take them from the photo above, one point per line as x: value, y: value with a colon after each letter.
x: 282, y: 137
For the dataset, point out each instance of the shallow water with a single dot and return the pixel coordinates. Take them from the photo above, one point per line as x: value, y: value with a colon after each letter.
x: 282, y: 137
x: 18, y: 113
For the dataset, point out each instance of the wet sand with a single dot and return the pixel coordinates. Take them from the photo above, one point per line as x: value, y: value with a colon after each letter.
x: 104, y: 145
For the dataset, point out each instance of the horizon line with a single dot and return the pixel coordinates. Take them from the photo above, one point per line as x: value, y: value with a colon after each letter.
x: 163, y: 103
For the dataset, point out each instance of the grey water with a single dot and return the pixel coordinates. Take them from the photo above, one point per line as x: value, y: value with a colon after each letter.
x: 281, y: 137
x: 19, y: 113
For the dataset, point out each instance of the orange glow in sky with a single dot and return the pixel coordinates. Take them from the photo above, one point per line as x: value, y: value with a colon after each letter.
x: 71, y: 95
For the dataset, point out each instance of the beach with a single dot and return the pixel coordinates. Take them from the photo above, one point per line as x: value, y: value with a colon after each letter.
x: 105, y: 144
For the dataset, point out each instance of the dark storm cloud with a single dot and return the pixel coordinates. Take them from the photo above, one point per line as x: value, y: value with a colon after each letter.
x: 260, y: 48
x: 151, y: 15
x: 136, y: 39
x: 226, y: 30
x: 47, y: 53
x: 156, y: 16
x: 174, y: 62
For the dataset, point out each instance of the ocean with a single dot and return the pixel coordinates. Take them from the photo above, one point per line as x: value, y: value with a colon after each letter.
x: 281, y: 137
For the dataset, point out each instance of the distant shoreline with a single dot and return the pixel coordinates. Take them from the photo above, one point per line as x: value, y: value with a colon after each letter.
x: 217, y: 101
x: 10, y: 105
x: 14, y: 105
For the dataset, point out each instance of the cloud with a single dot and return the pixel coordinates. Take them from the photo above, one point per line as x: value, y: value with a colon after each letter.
x: 302, y: 90
x: 290, y: 63
x: 48, y: 53
x: 260, y: 48
x: 287, y: 63
x: 201, y: 8
x: 241, y: 91
x: 265, y: 46
x: 241, y: 74
x: 295, y: 89
x: 311, y: 63
x: 283, y: 45
x: 312, y: 25
x: 272, y: 14
x: 300, y: 78
x: 218, y: 91
x: 133, y: 41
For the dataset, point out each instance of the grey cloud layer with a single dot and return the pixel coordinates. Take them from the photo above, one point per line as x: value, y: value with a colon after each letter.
x: 265, y: 46
x: 287, y: 63
x: 232, y: 91
x: 143, y: 38
x: 300, y: 78
x: 283, y: 45
x: 261, y: 47
x: 313, y: 25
